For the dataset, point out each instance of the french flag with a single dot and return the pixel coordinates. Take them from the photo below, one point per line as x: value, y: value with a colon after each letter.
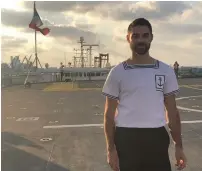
x: 36, y: 23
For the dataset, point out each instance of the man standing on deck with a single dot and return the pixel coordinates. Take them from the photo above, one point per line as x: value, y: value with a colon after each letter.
x: 61, y: 71
x: 176, y: 68
x: 137, y: 90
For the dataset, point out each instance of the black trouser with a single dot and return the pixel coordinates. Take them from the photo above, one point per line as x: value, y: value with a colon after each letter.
x: 143, y: 149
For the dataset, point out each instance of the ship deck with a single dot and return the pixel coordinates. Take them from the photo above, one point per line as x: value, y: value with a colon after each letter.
x: 47, y: 130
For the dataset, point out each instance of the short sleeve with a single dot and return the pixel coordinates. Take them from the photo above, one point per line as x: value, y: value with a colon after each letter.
x: 171, y: 85
x: 111, y: 85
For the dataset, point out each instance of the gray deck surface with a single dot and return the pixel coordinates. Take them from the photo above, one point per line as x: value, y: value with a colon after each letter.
x: 76, y: 148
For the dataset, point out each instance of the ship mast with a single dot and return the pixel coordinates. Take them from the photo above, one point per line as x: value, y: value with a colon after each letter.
x: 81, y: 57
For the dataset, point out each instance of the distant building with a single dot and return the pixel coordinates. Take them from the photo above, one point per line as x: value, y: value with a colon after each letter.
x: 15, y: 62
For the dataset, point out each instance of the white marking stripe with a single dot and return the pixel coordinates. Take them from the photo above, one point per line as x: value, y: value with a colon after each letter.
x: 99, y: 125
x: 196, y: 121
x: 180, y: 98
x: 28, y: 119
x: 189, y: 109
x: 186, y: 86
x: 74, y: 126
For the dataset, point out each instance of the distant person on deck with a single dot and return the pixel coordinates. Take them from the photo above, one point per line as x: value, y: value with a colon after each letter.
x: 61, y: 71
x: 176, y: 68
x: 137, y: 91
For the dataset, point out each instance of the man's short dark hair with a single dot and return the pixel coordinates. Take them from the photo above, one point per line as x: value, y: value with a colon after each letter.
x: 140, y: 22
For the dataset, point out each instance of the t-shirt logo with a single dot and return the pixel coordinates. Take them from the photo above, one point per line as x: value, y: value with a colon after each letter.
x: 159, y: 81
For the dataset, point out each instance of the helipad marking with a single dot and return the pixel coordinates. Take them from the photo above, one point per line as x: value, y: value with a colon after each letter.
x: 188, y: 109
x: 23, y: 108
x: 100, y: 125
x: 28, y: 119
x: 73, y: 89
x: 195, y: 85
x: 46, y: 139
x: 180, y: 98
x: 195, y: 121
x: 186, y: 86
x: 73, y: 126
x: 53, y: 121
x: 10, y: 118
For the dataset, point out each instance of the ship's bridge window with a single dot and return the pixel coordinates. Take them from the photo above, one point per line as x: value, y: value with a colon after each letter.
x: 84, y: 74
x: 97, y: 73
x: 80, y: 74
x: 67, y: 74
x: 92, y: 74
x: 74, y: 74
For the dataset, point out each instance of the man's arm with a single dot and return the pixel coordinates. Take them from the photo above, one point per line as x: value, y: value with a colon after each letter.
x: 109, y: 125
x: 111, y: 90
x: 174, y: 122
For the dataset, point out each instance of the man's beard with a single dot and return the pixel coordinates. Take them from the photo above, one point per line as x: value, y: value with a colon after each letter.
x: 140, y: 48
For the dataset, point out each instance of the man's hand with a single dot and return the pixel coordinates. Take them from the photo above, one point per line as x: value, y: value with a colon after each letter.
x: 181, y: 160
x: 112, y: 159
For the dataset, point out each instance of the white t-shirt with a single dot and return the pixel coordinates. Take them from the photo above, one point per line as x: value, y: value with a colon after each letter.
x: 140, y: 90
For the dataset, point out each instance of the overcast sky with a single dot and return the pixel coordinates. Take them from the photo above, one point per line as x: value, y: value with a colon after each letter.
x: 177, y: 29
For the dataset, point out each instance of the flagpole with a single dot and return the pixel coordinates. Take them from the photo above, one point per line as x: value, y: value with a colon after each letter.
x: 36, y: 57
x: 35, y: 24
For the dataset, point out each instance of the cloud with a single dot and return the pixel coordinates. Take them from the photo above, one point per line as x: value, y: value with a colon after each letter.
x: 84, y: 26
x: 119, y: 34
x: 193, y: 14
x: 21, y: 20
x: 64, y: 6
x: 120, y: 11
x: 9, y: 42
x: 11, y: 46
x: 197, y: 42
x: 187, y: 55
x: 182, y: 28
x: 119, y: 39
x: 70, y: 33
x: 166, y: 8
x: 150, y: 10
x: 15, y: 18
